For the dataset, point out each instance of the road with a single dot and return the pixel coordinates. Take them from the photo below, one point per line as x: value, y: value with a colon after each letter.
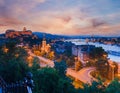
x: 43, y: 61
x: 82, y: 75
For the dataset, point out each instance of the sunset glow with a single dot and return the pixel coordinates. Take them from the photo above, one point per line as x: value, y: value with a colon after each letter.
x: 68, y: 17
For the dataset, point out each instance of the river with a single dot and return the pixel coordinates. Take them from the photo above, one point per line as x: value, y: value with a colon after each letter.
x: 112, y: 50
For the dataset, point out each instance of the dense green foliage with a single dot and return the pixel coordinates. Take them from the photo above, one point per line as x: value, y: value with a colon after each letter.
x: 48, y: 80
x: 114, y: 87
x: 99, y: 87
x: 98, y: 53
x: 13, y: 65
x: 61, y: 67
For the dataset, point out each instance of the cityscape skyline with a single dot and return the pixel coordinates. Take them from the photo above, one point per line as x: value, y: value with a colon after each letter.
x: 67, y: 17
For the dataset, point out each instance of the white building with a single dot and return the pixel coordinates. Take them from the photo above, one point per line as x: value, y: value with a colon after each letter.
x: 82, y: 52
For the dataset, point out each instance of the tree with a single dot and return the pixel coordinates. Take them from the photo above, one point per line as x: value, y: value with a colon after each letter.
x: 48, y: 80
x: 99, y: 60
x: 70, y: 61
x: 35, y: 65
x: 102, y: 67
x: 116, y: 67
x: 13, y: 65
x: 113, y: 87
x: 13, y: 70
x: 61, y: 67
x: 95, y: 87
x: 98, y: 53
x: 11, y: 46
x: 78, y: 65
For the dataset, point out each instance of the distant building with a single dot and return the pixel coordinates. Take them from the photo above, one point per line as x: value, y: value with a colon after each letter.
x: 82, y: 52
x: 14, y: 34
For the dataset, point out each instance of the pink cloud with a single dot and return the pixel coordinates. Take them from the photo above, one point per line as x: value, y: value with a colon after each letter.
x: 71, y: 21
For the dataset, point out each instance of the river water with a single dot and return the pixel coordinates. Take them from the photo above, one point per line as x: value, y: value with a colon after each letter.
x: 114, y: 55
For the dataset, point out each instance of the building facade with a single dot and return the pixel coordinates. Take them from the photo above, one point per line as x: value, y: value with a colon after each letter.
x: 14, y: 34
x: 82, y: 52
x: 45, y: 47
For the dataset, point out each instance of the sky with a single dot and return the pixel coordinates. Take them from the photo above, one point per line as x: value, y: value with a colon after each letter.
x: 66, y: 17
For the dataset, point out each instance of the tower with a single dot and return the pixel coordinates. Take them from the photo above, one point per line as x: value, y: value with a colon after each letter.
x: 24, y: 29
x: 43, y: 43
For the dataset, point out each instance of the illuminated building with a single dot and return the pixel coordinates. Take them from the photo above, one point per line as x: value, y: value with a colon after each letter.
x: 43, y: 44
x: 14, y: 34
x: 45, y: 47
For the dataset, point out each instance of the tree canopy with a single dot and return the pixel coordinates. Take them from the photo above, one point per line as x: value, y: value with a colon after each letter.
x: 13, y: 65
x: 48, y: 80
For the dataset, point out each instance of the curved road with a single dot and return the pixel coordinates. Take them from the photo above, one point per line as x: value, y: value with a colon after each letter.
x: 43, y: 61
x: 82, y: 75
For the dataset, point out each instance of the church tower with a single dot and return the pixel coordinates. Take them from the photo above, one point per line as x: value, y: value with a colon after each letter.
x: 43, y: 43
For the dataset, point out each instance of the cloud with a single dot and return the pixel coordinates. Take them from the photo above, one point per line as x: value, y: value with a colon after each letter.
x: 2, y: 25
x: 66, y: 19
x: 10, y: 10
x: 10, y: 21
x: 97, y: 22
x: 60, y: 16
x: 71, y: 22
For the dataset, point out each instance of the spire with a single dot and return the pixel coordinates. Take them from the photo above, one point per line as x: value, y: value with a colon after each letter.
x: 24, y: 29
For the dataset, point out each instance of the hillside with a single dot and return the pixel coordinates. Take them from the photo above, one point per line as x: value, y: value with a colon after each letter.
x: 51, y: 36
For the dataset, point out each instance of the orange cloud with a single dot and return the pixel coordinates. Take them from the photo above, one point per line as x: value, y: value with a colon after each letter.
x: 69, y: 21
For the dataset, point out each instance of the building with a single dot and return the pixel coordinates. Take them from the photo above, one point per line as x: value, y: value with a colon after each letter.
x: 44, y: 43
x: 45, y: 47
x: 82, y: 52
x: 14, y: 34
